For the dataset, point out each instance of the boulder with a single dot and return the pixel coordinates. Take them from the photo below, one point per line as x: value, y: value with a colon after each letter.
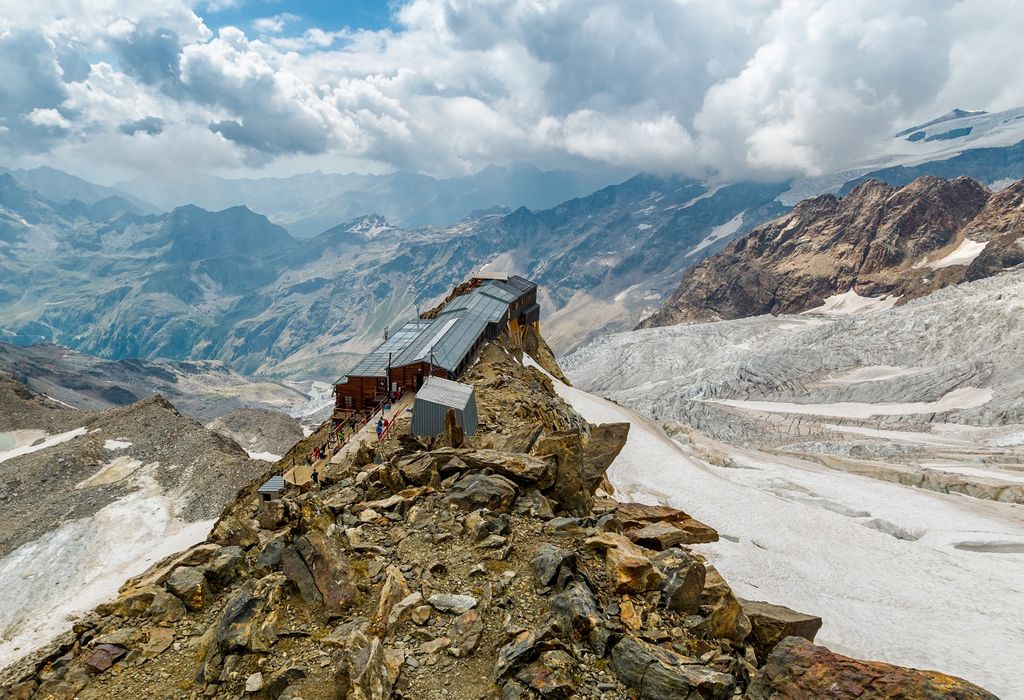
x: 684, y: 579
x: 552, y: 675
x: 269, y: 558
x: 420, y: 469
x: 272, y: 514
x: 522, y: 440
x: 296, y: 571
x: 523, y: 648
x: 466, y: 632
x: 368, y: 670
x: 394, y: 590
x: 245, y: 624
x: 579, y: 617
x: 657, y: 673
x: 520, y: 468
x: 233, y: 530
x: 770, y: 624
x: 654, y: 524
x: 407, y: 608
x: 606, y: 441
x: 451, y: 603
x: 332, y: 573
x: 103, y: 656
x: 549, y: 561
x: 160, y: 639
x: 629, y: 569
x: 188, y: 583
x: 314, y: 514
x: 724, y: 616
x: 474, y: 491
x: 569, y: 492
x: 149, y: 601
x: 276, y: 686
x: 796, y: 668
x: 227, y: 565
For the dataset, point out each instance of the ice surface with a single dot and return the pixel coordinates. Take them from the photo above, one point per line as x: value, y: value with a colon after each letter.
x: 884, y: 565
x: 964, y: 397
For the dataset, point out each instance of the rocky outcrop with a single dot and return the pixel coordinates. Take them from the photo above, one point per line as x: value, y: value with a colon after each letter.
x: 878, y: 240
x: 770, y: 624
x: 415, y: 572
x: 799, y: 669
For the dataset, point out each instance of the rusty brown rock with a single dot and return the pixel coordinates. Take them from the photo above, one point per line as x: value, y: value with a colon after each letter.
x: 189, y: 584
x: 570, y: 491
x: 724, y: 616
x: 394, y: 590
x: 629, y: 568
x: 466, y: 632
x: 799, y: 669
x: 103, y: 656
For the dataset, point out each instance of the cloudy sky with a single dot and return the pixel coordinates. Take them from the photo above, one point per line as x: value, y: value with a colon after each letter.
x: 113, y: 89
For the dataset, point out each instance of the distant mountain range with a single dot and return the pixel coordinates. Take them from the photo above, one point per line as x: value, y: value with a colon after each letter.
x: 311, y: 203
x: 113, y: 279
x: 63, y: 188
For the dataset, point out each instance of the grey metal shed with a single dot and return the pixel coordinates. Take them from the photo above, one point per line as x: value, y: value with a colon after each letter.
x: 433, y: 400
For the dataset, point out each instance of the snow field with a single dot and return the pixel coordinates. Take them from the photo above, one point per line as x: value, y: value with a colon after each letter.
x: 880, y: 562
x: 83, y: 563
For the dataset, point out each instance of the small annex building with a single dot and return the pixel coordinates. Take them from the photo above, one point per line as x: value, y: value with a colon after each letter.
x: 433, y: 402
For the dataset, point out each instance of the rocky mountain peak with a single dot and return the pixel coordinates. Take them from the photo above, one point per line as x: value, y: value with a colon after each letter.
x: 878, y: 240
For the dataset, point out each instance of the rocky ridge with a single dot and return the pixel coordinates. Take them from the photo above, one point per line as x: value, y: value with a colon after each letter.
x: 496, y: 565
x: 879, y: 241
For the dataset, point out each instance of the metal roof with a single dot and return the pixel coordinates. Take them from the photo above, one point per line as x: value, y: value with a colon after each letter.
x: 493, y: 291
x: 447, y: 341
x: 273, y: 485
x: 479, y: 303
x: 445, y: 392
x: 519, y: 286
x: 376, y: 363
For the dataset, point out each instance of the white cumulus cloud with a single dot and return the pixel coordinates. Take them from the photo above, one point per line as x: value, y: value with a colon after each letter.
x: 745, y: 88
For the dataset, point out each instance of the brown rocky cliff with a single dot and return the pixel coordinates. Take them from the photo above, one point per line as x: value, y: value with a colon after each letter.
x: 878, y: 240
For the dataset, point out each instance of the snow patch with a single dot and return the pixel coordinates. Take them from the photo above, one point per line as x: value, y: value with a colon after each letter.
x: 853, y: 303
x: 718, y: 233
x: 874, y: 373
x: 116, y: 470
x: 66, y: 572
x: 263, y: 456
x: 964, y: 254
x: 116, y: 445
x: 45, y: 444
